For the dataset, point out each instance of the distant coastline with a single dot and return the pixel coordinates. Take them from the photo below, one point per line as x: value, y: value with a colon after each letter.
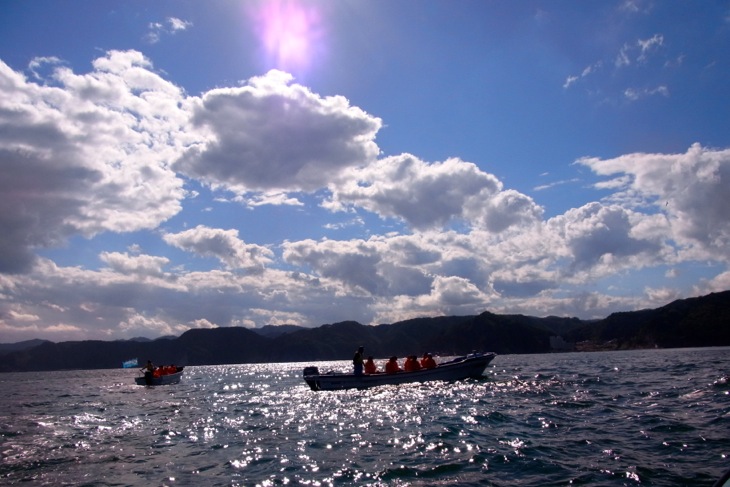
x: 694, y: 322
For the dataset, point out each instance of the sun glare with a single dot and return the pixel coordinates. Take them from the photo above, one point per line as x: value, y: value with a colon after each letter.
x: 290, y: 33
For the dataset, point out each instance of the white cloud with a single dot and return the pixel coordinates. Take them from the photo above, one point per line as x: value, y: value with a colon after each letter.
x: 178, y: 24
x: 693, y: 189
x: 634, y: 94
x: 140, y: 265
x: 171, y: 25
x: 719, y: 283
x: 90, y: 154
x: 354, y: 263
x: 599, y: 236
x: 647, y: 46
x: 622, y: 58
x: 424, y: 195
x: 85, y: 154
x: 275, y: 199
x: 275, y: 135
x: 570, y: 81
x: 506, y: 209
x: 224, y: 245
x: 430, y: 196
x: 587, y: 71
x: 141, y: 325
x: 639, y: 51
x: 21, y: 317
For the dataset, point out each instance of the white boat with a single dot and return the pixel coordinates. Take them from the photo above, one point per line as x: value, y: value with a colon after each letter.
x: 468, y: 366
x: 150, y: 380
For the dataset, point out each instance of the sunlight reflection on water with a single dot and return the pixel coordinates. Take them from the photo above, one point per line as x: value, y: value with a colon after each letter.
x: 659, y: 418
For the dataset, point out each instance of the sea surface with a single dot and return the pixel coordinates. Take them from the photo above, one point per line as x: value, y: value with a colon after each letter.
x: 649, y: 417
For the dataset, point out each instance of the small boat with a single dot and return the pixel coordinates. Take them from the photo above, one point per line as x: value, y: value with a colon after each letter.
x: 468, y: 366
x: 161, y: 380
x: 128, y: 364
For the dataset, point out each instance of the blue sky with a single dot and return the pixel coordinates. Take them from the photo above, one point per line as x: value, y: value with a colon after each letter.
x: 172, y: 165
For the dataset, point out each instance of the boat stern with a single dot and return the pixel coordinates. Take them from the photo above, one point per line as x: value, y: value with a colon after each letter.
x: 311, y: 374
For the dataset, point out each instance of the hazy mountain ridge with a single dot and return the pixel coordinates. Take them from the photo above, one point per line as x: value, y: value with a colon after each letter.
x: 703, y: 321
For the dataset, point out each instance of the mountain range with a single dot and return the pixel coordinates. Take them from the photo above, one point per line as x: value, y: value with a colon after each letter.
x: 694, y: 322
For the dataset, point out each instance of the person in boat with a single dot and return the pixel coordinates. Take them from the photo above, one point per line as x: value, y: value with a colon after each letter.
x: 149, y: 370
x: 391, y: 366
x: 411, y: 364
x: 427, y: 362
x: 370, y: 367
x: 358, y: 361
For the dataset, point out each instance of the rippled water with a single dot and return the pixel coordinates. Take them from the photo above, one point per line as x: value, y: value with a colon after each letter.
x: 658, y: 417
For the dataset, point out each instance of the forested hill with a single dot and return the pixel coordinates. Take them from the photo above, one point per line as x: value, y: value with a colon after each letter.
x: 695, y: 322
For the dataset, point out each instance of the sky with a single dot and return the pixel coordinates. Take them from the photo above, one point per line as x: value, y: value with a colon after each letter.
x: 173, y: 165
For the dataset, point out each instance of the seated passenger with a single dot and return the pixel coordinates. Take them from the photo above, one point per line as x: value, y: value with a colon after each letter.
x: 391, y: 366
x: 370, y: 367
x: 427, y: 362
x: 411, y: 364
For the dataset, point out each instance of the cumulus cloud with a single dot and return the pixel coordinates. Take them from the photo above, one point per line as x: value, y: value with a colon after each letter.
x: 448, y: 296
x: 597, y: 234
x: 693, y: 189
x: 354, y: 263
x: 85, y: 154
x: 430, y: 196
x: 224, y: 245
x: 140, y: 265
x: 276, y: 135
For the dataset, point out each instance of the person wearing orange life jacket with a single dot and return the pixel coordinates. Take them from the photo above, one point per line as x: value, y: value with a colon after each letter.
x: 427, y: 362
x: 391, y: 366
x: 411, y: 364
x: 370, y: 367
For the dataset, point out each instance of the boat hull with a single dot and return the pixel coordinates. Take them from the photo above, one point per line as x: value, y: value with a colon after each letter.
x: 469, y: 366
x: 162, y: 380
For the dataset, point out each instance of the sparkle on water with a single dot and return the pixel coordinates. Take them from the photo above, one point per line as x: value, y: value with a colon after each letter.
x: 624, y: 418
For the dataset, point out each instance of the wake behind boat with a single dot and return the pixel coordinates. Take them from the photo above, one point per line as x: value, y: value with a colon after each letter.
x: 167, y: 375
x: 468, y: 366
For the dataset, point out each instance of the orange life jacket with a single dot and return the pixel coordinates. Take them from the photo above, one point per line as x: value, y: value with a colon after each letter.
x: 370, y: 367
x: 411, y: 365
x: 428, y: 363
x: 391, y: 367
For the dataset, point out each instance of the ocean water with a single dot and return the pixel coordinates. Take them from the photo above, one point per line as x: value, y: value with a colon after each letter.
x: 650, y: 417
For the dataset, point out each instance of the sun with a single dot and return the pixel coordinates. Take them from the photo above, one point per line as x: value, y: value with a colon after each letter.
x: 290, y: 33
